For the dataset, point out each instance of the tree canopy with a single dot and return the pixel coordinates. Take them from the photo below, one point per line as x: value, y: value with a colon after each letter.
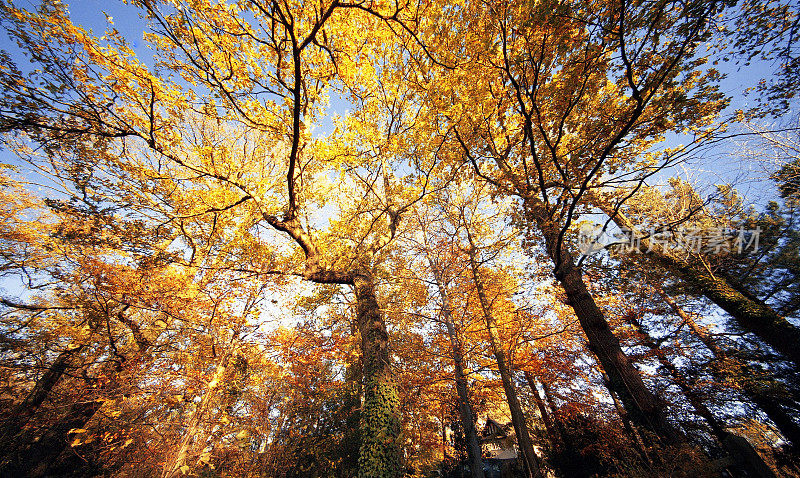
x: 335, y: 238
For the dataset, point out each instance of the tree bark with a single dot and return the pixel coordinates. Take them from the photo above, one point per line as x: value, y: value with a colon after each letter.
x: 379, y: 455
x: 750, y: 313
x: 517, y: 416
x: 644, y: 409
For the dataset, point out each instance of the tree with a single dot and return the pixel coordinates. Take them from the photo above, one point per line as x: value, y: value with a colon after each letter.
x: 557, y: 106
x: 464, y: 214
x: 732, y: 368
x: 518, y: 418
x: 720, y: 285
x: 193, y: 185
x: 440, y: 258
x: 266, y: 106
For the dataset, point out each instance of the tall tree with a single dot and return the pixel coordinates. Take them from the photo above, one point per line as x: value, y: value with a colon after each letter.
x: 437, y: 264
x: 561, y: 104
x: 532, y: 464
x: 748, y: 310
x: 266, y: 86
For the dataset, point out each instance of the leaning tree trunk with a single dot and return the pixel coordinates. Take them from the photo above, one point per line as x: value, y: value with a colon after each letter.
x: 573, y: 463
x: 34, y: 458
x: 728, y: 442
x: 552, y: 433
x: 750, y: 313
x: 506, y: 376
x: 23, y: 412
x: 678, y: 378
x: 379, y: 455
x: 41, y: 457
x: 639, y: 445
x: 557, y: 419
x: 465, y: 407
x: 743, y: 378
x: 558, y: 422
x: 644, y: 409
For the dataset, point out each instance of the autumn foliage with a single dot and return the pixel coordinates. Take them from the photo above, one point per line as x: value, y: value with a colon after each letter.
x: 340, y: 239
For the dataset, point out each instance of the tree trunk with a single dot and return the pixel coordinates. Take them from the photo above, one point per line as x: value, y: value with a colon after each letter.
x: 555, y: 439
x: 769, y: 403
x: 755, y: 464
x: 35, y: 457
x: 21, y: 413
x: 465, y: 407
x: 506, y: 375
x: 379, y: 455
x: 749, y: 312
x: 573, y: 463
x: 41, y: 457
x: 643, y: 408
x: 639, y: 445
x: 557, y: 421
x: 695, y: 398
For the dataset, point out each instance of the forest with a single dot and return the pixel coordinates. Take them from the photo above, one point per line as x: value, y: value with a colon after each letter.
x: 399, y: 238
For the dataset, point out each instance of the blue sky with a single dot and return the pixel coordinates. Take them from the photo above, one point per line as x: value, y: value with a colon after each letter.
x: 718, y: 166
